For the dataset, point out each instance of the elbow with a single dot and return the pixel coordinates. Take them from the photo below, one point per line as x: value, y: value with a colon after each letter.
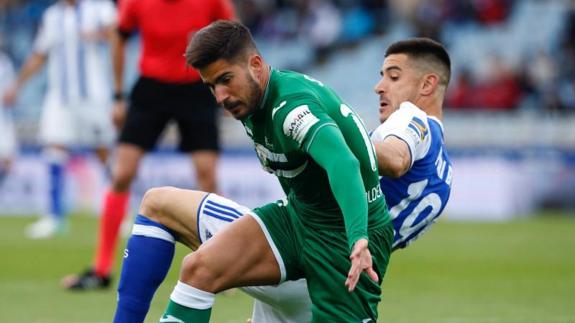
x: 393, y: 169
x: 397, y: 172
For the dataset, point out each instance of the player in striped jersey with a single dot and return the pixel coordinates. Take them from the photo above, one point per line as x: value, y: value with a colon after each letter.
x: 411, y: 156
x: 77, y: 103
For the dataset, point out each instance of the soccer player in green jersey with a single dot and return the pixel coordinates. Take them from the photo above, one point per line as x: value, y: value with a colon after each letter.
x: 333, y: 225
x: 333, y: 228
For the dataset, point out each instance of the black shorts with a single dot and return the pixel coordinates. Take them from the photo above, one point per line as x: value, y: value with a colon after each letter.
x: 153, y: 104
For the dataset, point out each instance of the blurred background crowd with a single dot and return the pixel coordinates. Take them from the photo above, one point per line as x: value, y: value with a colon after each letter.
x: 508, y: 55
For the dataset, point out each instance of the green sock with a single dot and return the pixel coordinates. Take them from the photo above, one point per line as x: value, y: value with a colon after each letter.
x: 181, y: 314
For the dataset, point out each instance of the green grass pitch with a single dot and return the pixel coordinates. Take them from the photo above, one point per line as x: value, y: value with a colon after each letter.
x: 519, y: 271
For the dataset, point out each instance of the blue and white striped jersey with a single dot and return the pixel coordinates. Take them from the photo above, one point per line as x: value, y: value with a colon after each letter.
x: 418, y: 197
x: 70, y: 35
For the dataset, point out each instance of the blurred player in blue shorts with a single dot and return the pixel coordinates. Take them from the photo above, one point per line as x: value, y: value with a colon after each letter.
x: 77, y: 106
x: 411, y: 155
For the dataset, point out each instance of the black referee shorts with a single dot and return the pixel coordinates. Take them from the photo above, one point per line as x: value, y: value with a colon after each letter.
x: 153, y: 104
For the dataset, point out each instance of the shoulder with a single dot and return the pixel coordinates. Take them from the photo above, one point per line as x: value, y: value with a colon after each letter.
x: 407, y: 112
x: 408, y: 116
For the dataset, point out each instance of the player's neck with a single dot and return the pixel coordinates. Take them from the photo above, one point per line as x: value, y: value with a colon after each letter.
x: 265, y: 77
x: 432, y: 106
x: 263, y: 82
x: 436, y: 112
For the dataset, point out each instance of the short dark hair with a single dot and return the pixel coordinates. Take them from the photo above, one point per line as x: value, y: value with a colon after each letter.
x: 222, y: 39
x: 425, y: 49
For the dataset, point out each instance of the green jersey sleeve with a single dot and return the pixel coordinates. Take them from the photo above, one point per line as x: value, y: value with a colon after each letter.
x: 312, y: 130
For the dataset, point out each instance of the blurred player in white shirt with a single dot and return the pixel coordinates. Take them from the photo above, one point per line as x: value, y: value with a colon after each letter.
x: 76, y: 109
x: 7, y: 134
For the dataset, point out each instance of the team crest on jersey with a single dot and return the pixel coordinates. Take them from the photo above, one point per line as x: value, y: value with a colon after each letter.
x: 262, y: 153
x: 418, y: 127
x: 298, y: 122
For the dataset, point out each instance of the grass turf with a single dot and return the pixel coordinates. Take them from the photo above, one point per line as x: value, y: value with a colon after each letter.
x: 518, y: 271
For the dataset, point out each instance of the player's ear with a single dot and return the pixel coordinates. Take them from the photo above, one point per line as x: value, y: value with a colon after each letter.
x: 255, y: 63
x: 430, y: 82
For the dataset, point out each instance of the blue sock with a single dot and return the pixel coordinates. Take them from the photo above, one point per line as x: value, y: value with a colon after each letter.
x: 56, y: 169
x: 147, y: 259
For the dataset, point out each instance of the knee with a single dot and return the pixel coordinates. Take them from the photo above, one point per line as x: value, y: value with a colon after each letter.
x: 206, y: 172
x: 122, y: 179
x: 196, y: 272
x: 155, y: 201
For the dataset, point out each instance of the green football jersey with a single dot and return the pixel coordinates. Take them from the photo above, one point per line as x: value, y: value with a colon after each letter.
x: 293, y: 109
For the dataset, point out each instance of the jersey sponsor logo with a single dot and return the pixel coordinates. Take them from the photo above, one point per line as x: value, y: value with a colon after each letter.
x: 373, y: 194
x: 298, y: 122
x: 281, y: 105
x: 418, y: 127
x: 170, y: 319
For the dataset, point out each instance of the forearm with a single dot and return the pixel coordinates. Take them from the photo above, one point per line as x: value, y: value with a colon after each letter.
x: 393, y: 157
x: 348, y: 190
x: 331, y: 152
x: 118, y: 44
x: 30, y: 68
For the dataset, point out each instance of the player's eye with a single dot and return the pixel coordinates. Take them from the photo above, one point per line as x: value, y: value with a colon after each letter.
x: 226, y: 80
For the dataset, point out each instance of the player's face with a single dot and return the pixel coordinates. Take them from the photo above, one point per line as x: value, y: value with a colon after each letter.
x: 234, y: 87
x: 399, y: 83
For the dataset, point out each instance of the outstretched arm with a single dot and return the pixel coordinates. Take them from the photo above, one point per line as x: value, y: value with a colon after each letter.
x: 30, y: 68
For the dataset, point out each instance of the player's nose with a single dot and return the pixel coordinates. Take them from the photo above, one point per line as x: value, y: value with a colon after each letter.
x: 378, y: 88
x: 221, y: 94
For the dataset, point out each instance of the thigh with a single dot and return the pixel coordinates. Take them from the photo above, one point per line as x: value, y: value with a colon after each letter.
x: 327, y: 264
x: 240, y: 255
x: 146, y: 117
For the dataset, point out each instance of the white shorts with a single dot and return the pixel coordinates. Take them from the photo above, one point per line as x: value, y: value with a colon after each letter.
x: 8, y: 144
x: 286, y: 303
x: 85, y: 124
